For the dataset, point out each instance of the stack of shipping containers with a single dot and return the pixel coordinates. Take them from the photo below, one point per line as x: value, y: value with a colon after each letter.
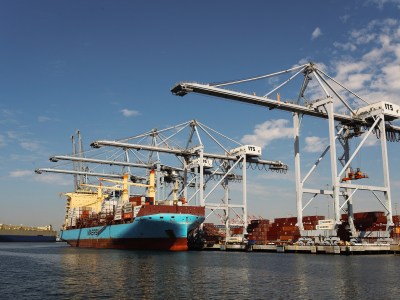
x: 258, y: 231
x: 212, y: 234
x: 281, y: 230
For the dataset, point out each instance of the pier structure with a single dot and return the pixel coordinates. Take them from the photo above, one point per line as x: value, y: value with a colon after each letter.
x: 360, y: 249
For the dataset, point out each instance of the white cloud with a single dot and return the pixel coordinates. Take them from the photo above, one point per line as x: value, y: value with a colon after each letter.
x: 361, y: 37
x: 48, y: 178
x: 345, y: 18
x: 392, y: 77
x: 345, y: 46
x: 268, y: 131
x: 21, y: 173
x: 2, y: 141
x: 357, y: 81
x: 43, y: 178
x: 129, y: 113
x: 7, y: 112
x: 371, y: 141
x: 26, y: 144
x: 373, y: 56
x: 381, y: 3
x: 376, y: 75
x: 315, y: 144
x: 345, y: 68
x: 316, y: 33
x: 42, y: 119
x: 13, y: 135
x: 30, y: 145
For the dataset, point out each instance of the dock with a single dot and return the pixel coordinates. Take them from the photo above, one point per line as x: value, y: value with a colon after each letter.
x: 317, y: 249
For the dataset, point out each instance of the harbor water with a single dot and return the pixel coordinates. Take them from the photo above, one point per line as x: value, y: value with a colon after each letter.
x: 57, y: 271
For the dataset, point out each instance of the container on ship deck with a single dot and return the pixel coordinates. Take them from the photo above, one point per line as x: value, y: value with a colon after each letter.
x: 260, y: 221
x: 238, y: 230
x: 128, y: 215
x: 381, y: 219
x: 309, y: 227
x: 128, y: 209
x: 127, y: 204
x: 288, y: 221
x: 313, y: 218
x: 368, y: 215
x: 118, y: 216
x: 136, y: 209
x: 137, y: 200
x: 289, y: 228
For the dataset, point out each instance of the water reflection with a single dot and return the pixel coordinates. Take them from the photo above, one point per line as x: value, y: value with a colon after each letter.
x: 66, y: 273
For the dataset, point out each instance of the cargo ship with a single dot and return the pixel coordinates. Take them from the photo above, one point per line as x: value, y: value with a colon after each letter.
x: 12, y: 233
x: 97, y: 220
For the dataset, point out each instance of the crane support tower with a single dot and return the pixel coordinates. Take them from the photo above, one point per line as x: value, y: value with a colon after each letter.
x: 342, y: 127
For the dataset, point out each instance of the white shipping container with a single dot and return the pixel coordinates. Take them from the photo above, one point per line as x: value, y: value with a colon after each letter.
x: 136, y: 210
x: 107, y: 206
x: 325, y: 227
x: 165, y: 202
x: 127, y: 205
x: 326, y: 222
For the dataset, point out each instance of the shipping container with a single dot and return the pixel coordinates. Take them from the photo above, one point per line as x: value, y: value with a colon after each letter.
x: 128, y: 216
x: 326, y: 222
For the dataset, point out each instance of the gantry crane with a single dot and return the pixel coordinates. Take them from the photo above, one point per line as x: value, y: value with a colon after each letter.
x: 342, y: 126
x: 194, y: 158
x: 194, y: 166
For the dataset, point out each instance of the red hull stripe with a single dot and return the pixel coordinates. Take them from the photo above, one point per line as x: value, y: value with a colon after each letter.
x: 177, y: 244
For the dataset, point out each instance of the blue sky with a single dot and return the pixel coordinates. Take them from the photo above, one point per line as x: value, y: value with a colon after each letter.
x: 106, y: 68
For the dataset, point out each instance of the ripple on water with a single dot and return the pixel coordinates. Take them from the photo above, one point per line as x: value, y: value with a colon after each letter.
x: 56, y: 271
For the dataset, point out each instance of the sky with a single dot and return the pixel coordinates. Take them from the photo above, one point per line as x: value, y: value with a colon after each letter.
x: 106, y: 68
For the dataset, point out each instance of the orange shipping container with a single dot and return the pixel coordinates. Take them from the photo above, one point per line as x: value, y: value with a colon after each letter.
x: 309, y: 227
x: 128, y: 215
x: 289, y: 228
x: 286, y: 237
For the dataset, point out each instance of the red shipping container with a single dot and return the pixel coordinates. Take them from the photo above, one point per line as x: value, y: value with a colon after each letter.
x: 289, y: 228
x: 309, y: 227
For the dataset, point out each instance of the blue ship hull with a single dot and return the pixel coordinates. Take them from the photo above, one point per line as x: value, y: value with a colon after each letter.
x: 162, y: 231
